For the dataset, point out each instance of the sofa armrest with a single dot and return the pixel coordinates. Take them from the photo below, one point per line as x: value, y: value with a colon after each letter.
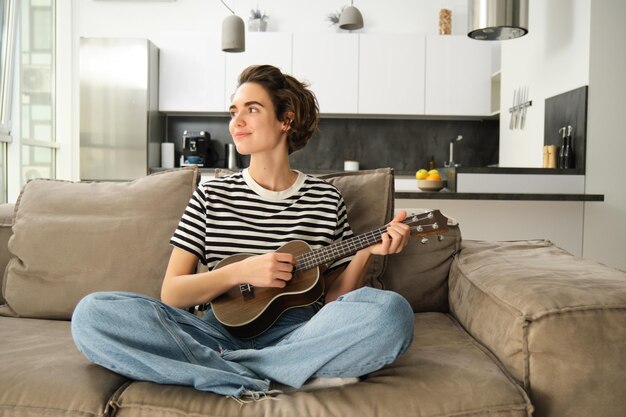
x: 556, y: 321
x: 6, y: 220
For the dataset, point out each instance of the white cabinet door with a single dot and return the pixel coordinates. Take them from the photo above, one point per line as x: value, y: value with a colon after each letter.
x: 329, y: 62
x: 261, y: 48
x: 191, y: 72
x: 458, y: 76
x: 391, y: 74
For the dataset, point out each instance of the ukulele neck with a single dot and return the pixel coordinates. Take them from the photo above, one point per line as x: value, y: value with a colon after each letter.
x: 338, y: 250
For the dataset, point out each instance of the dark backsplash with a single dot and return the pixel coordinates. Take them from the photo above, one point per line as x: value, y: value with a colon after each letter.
x: 404, y: 145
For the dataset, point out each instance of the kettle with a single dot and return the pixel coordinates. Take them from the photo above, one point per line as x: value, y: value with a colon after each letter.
x: 232, y: 159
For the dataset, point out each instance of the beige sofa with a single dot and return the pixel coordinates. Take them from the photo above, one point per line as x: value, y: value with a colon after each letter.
x: 501, y: 328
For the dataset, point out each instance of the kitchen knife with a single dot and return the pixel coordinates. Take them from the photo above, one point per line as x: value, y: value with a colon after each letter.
x: 512, y: 123
x: 518, y: 117
x: 524, y: 102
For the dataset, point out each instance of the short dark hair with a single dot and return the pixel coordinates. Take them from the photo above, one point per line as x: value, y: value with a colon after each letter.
x: 288, y: 95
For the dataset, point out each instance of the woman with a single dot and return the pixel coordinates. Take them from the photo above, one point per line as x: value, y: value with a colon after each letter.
x: 350, y: 332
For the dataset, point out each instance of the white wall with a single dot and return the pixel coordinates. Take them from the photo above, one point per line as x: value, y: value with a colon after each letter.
x: 605, y: 223
x: 572, y: 43
x: 551, y: 59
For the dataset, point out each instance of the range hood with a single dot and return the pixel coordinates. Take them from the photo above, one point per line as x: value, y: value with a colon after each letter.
x: 494, y: 20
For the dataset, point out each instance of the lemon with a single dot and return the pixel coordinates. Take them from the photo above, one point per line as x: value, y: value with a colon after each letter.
x: 433, y: 171
x: 421, y: 174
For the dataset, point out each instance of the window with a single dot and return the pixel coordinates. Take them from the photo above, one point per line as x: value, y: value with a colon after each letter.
x: 7, y: 42
x: 37, y: 62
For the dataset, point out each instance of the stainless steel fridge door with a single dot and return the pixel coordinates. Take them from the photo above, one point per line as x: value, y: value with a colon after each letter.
x: 117, y: 105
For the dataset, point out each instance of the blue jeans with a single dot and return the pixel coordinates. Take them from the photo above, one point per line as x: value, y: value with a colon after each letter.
x: 144, y: 339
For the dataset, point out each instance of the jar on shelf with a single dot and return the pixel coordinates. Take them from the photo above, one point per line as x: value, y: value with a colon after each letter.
x: 445, y: 21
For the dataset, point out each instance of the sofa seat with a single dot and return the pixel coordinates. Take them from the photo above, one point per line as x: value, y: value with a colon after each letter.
x: 444, y: 373
x: 43, y: 374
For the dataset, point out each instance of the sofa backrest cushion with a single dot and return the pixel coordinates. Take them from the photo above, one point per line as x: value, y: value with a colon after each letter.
x: 420, y: 272
x: 6, y: 223
x: 368, y: 195
x: 73, y: 238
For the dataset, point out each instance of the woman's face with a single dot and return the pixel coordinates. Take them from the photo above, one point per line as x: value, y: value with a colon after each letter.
x: 253, y: 124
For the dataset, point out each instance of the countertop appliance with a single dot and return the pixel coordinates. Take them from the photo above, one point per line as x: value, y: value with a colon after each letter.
x: 198, y: 149
x: 120, y: 128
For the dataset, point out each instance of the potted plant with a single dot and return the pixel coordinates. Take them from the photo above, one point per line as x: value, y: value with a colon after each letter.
x: 333, y: 18
x: 257, y: 21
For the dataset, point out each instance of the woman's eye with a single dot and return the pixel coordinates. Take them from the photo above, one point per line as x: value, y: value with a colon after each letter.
x: 253, y: 110
x: 233, y: 114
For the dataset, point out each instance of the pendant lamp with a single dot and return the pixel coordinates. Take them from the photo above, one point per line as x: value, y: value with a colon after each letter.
x: 233, y: 32
x: 495, y: 20
x: 351, y: 18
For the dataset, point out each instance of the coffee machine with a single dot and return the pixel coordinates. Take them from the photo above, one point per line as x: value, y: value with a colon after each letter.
x: 198, y: 149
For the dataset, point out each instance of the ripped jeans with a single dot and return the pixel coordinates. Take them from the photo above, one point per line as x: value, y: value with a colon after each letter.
x: 144, y: 339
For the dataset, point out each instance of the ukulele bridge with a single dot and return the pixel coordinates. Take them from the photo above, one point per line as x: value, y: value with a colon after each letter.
x: 247, y: 291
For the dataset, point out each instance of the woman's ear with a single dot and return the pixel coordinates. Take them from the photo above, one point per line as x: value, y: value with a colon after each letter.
x: 288, y: 120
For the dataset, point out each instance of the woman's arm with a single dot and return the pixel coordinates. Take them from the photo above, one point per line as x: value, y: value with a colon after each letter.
x: 182, y: 288
x: 393, y: 241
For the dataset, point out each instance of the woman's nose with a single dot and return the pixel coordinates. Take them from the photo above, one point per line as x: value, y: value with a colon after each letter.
x: 237, y: 119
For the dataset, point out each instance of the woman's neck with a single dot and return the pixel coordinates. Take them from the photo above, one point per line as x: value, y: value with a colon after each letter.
x: 272, y: 175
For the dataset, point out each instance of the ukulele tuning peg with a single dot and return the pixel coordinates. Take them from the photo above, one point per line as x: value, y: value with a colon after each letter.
x: 424, y: 240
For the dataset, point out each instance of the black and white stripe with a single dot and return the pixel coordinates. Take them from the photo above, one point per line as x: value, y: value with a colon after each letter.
x: 225, y: 216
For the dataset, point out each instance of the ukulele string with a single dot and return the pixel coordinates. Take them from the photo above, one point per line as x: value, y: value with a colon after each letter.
x: 341, y: 249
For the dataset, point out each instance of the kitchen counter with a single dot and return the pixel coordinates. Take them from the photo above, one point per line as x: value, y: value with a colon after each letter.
x: 453, y: 195
x: 494, y: 183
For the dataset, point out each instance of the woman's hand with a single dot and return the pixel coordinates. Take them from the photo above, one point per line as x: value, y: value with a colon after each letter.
x: 269, y: 270
x: 395, y: 239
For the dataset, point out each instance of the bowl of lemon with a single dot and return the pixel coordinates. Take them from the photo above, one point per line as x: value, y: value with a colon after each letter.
x: 429, y: 180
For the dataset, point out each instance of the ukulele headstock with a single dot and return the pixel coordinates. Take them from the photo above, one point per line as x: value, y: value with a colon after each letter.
x: 427, y: 224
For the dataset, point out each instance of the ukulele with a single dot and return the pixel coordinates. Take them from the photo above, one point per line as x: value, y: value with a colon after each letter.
x: 247, y: 311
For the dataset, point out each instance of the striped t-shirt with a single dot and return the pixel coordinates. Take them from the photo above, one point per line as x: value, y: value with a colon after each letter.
x: 233, y: 214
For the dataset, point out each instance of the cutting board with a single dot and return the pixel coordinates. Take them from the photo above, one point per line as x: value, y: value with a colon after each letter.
x: 569, y: 108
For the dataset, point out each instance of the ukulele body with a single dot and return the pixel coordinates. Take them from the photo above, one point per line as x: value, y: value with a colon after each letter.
x: 248, y: 311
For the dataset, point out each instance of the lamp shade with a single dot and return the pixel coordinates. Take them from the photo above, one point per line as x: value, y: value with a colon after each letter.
x: 497, y: 19
x: 351, y: 19
x: 233, y: 34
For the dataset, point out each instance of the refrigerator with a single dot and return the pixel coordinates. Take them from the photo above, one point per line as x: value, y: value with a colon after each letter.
x: 120, y: 126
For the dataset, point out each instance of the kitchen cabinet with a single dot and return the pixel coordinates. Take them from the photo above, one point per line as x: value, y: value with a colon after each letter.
x: 271, y: 48
x: 458, y: 76
x: 391, y: 74
x: 191, y: 72
x: 330, y: 63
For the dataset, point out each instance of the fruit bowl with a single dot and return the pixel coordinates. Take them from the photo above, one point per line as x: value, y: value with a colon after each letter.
x: 431, y: 185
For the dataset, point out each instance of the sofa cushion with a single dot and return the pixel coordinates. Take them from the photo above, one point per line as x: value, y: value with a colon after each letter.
x: 71, y: 239
x: 444, y: 373
x: 420, y: 271
x: 558, y: 322
x: 368, y: 195
x: 6, y: 222
x: 43, y: 374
